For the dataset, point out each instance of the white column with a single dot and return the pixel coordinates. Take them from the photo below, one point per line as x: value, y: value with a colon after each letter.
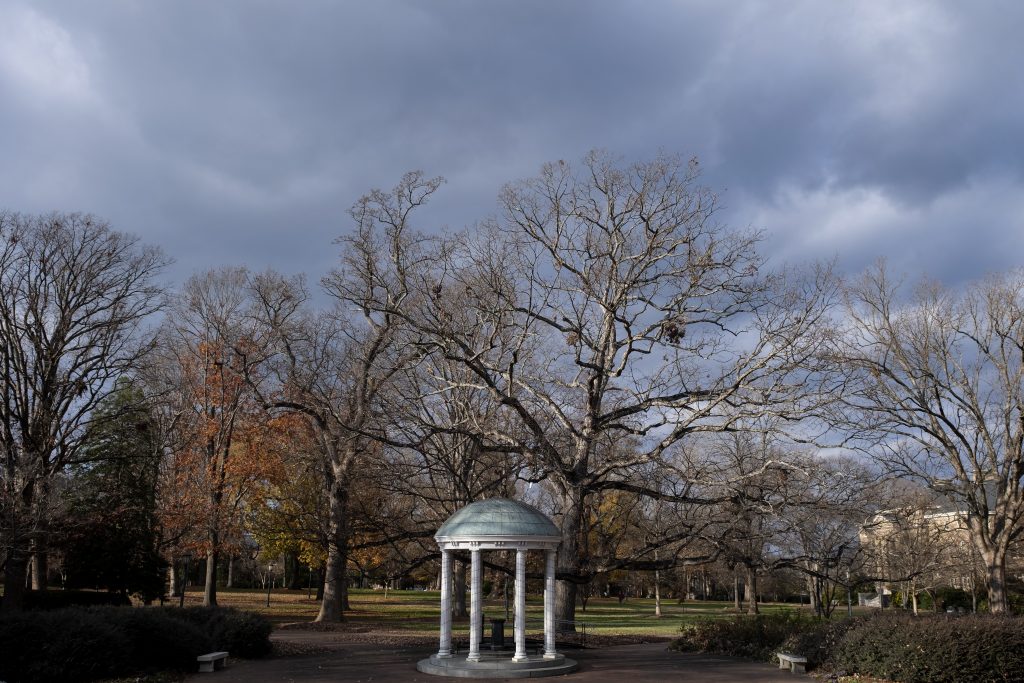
x: 475, y: 611
x: 520, y: 627
x: 549, y: 606
x: 446, y: 605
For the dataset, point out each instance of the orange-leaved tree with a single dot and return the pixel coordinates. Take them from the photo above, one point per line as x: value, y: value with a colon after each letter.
x: 222, y: 435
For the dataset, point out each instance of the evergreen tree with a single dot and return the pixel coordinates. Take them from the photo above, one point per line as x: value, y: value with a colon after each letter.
x: 112, y: 537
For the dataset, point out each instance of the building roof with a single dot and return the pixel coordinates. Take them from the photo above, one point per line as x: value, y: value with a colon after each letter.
x: 498, y: 517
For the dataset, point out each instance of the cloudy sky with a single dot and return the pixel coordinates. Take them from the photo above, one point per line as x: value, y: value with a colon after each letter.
x: 238, y: 132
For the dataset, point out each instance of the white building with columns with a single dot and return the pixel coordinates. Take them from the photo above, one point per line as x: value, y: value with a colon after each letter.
x: 504, y: 525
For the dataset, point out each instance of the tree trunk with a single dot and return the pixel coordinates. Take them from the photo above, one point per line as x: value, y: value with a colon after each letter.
x: 812, y: 595
x: 336, y: 572
x: 291, y: 564
x: 39, y: 565
x: 568, y: 561
x: 750, y: 591
x: 210, y: 589
x: 172, y: 579
x: 737, y: 605
x: 496, y: 586
x: 231, y: 572
x: 459, y: 604
x: 657, y: 593
x: 13, y: 532
x: 995, y: 567
x: 15, y: 573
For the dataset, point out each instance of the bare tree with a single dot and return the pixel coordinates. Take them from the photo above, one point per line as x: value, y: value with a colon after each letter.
x: 754, y: 475
x: 609, y: 304
x: 913, y: 542
x: 935, y: 391
x: 819, y: 530
x: 334, y: 368
x: 452, y: 459
x: 455, y: 453
x: 73, y: 294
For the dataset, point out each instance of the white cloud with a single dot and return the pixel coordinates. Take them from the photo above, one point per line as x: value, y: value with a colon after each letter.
x: 959, y: 235
x: 39, y: 59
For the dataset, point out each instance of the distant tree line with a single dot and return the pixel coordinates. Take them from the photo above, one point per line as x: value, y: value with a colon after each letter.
x: 604, y: 347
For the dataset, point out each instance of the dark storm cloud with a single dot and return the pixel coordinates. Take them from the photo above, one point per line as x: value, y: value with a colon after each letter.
x: 239, y: 132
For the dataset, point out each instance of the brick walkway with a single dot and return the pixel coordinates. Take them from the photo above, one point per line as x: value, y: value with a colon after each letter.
x: 359, y: 663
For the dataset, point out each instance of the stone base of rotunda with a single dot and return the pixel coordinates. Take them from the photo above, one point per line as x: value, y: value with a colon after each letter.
x: 497, y: 665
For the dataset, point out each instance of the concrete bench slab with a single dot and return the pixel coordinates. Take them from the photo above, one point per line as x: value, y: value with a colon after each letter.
x: 794, y: 663
x: 212, y: 661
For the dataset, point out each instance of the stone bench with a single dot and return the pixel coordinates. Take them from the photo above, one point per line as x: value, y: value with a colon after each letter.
x: 212, y: 661
x: 794, y: 663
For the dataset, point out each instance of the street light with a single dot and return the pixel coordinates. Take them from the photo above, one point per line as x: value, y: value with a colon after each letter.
x: 849, y: 594
x: 270, y: 580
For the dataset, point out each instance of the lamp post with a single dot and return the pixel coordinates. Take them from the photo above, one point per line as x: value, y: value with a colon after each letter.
x: 270, y: 580
x: 849, y: 595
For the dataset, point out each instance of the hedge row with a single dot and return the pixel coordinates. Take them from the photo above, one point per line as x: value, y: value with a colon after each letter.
x: 243, y: 634
x: 36, y: 600
x: 757, y: 637
x: 85, y: 644
x: 934, y: 649
x: 892, y: 645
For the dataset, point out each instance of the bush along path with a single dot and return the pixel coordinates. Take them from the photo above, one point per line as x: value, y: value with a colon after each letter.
x: 86, y: 644
x: 893, y: 646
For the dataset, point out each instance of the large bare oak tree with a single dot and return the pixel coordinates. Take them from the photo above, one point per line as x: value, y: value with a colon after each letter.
x: 608, y: 305
x: 73, y: 294
x: 935, y: 390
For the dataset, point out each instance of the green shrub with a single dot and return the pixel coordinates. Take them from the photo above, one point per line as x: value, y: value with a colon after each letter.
x: 757, y: 637
x: 934, y: 648
x: 58, y: 599
x: 1016, y: 603
x: 818, y: 642
x: 157, y: 641
x: 60, y: 646
x: 894, y: 645
x: 953, y: 597
x: 243, y: 634
x: 85, y: 644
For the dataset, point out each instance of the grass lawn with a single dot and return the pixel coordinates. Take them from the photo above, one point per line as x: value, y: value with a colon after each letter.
x: 419, y: 611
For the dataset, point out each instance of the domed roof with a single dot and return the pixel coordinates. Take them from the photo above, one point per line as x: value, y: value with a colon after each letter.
x: 497, y: 517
